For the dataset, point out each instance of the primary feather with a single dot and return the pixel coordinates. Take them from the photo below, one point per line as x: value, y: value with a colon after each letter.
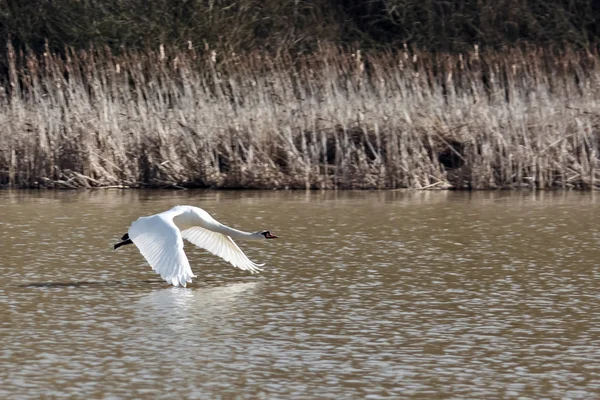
x: 160, y: 237
x: 222, y: 246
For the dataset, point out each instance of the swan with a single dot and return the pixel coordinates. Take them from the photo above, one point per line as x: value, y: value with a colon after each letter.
x: 159, y: 238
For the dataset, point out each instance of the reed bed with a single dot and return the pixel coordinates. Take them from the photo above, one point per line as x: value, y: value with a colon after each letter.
x: 331, y: 119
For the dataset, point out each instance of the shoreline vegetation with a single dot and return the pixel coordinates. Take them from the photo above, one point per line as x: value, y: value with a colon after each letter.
x: 329, y: 119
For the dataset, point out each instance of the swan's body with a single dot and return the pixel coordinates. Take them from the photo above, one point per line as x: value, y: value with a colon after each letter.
x: 160, y: 237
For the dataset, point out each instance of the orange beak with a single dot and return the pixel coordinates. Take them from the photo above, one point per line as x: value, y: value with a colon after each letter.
x: 269, y: 236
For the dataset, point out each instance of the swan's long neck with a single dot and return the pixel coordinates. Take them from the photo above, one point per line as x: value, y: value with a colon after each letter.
x: 234, y: 233
x: 193, y: 216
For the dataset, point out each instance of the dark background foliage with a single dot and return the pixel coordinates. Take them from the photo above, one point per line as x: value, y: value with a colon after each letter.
x: 298, y: 25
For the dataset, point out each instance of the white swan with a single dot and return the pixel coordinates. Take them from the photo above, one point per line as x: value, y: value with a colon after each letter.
x: 160, y: 237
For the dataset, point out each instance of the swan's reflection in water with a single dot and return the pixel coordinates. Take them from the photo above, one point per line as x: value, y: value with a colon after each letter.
x: 198, y: 309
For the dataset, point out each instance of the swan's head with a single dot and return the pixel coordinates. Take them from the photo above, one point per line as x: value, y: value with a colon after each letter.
x: 265, y: 235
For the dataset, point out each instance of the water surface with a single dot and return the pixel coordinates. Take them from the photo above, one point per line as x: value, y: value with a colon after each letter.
x: 365, y: 295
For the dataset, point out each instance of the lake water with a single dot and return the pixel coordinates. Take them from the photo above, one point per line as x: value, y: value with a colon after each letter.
x: 365, y: 295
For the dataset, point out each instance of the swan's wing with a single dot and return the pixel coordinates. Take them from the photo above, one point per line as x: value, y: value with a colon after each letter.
x: 160, y: 242
x: 220, y: 245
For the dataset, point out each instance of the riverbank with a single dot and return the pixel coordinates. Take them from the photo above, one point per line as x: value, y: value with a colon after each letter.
x: 332, y: 119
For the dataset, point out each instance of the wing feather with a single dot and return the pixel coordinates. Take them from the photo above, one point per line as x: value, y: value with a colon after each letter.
x: 160, y: 242
x: 222, y: 246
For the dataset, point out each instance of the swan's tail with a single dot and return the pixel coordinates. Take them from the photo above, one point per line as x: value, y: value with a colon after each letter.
x: 124, y: 241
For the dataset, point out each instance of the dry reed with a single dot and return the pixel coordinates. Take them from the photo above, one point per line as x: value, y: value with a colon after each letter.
x: 333, y: 119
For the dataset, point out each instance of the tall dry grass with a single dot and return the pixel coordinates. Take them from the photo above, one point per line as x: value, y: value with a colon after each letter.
x: 332, y: 119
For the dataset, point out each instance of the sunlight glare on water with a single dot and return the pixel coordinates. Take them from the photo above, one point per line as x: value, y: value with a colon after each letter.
x: 364, y: 295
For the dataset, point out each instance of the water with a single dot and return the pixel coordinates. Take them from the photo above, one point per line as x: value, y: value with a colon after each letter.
x: 365, y: 295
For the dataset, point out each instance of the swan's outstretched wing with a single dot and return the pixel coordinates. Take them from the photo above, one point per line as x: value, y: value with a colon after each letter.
x: 220, y: 245
x: 160, y: 242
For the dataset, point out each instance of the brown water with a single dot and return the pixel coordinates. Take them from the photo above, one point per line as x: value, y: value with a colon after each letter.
x: 365, y: 295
